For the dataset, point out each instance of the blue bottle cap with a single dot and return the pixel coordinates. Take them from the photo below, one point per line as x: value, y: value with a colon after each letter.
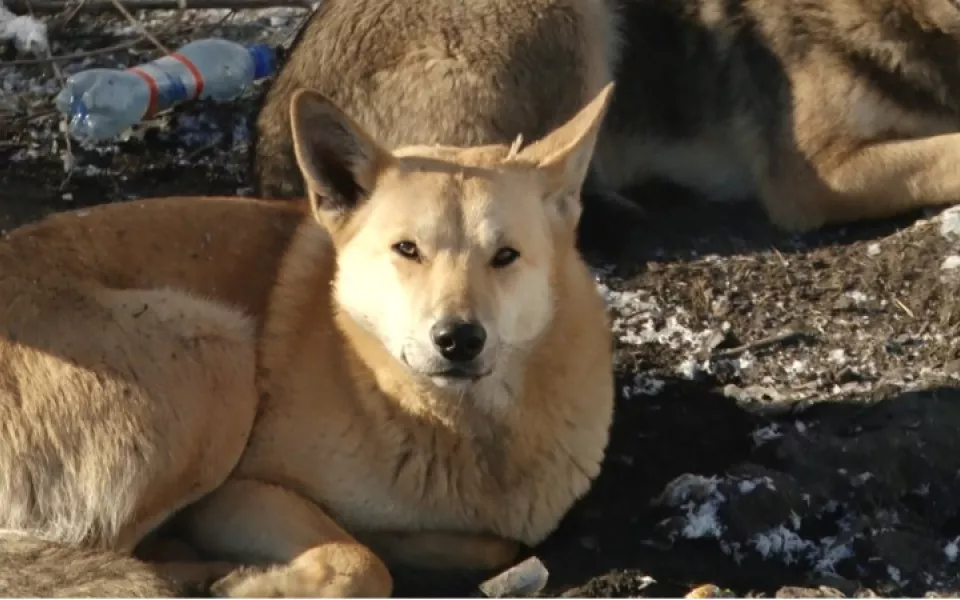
x: 264, y: 60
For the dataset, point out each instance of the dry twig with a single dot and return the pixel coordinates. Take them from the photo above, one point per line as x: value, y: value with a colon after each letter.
x: 904, y: 308
x: 71, y: 57
x: 137, y: 24
x: 781, y: 339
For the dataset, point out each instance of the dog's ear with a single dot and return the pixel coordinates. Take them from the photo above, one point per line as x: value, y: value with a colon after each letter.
x: 339, y: 161
x: 563, y: 156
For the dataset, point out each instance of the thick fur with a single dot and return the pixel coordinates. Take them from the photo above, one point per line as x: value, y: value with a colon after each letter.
x: 30, y: 567
x: 827, y: 110
x: 424, y: 72
x: 261, y: 378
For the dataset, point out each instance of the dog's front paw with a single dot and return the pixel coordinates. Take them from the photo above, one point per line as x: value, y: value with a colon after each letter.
x: 275, y: 582
x: 312, y: 580
x: 241, y: 581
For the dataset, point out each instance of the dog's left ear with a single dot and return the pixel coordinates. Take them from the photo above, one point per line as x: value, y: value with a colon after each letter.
x: 339, y: 161
x: 563, y: 156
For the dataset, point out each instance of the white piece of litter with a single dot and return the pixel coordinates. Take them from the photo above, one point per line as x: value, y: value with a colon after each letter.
x: 952, y: 549
x: 29, y: 35
x: 527, y: 578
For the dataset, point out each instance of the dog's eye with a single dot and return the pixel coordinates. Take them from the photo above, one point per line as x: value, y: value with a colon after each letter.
x: 504, y: 257
x: 407, y: 250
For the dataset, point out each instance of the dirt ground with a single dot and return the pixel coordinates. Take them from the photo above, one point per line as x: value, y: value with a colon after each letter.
x: 788, y: 406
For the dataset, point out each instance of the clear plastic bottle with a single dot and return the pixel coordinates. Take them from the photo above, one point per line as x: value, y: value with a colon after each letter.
x: 103, y: 103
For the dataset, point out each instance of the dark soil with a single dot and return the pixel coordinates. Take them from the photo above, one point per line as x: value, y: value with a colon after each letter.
x: 833, y: 445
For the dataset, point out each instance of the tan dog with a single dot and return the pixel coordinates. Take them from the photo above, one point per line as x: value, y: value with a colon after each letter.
x: 829, y: 111
x: 418, y: 372
x: 424, y: 72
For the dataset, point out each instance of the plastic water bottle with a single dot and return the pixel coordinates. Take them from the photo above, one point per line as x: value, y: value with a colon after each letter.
x: 103, y: 103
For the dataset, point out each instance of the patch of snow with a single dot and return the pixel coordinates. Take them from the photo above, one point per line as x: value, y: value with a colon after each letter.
x: 766, y: 434
x: 833, y: 553
x: 638, y: 318
x: 857, y: 296
x: 690, y: 368
x: 782, y: 542
x: 684, y: 487
x: 700, y: 499
x: 796, y: 367
x: 951, y: 262
x: 873, y: 249
x: 950, y: 223
x: 702, y: 521
x: 894, y: 574
x: 952, y: 549
x: 644, y: 385
x: 645, y: 581
x: 795, y: 520
x: 838, y: 356
x: 673, y: 334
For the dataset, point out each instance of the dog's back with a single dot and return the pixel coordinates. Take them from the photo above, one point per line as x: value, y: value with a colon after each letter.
x: 827, y: 110
x: 422, y: 72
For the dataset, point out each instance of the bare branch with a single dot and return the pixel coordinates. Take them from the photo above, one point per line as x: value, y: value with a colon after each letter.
x: 143, y: 30
x: 74, y: 56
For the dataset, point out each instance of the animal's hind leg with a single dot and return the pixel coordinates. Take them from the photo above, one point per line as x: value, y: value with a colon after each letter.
x: 202, y: 394
x: 129, y: 405
x: 876, y: 181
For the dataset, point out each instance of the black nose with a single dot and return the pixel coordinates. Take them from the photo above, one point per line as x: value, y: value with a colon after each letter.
x: 458, y: 340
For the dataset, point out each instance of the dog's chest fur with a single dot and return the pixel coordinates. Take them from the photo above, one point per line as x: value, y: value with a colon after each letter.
x: 375, y: 466
x: 429, y: 477
x: 339, y: 431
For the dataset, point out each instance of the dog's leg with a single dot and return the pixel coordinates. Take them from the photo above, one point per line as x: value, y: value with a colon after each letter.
x: 308, y: 553
x: 876, y: 181
x: 442, y: 550
x: 142, y: 401
x: 146, y: 398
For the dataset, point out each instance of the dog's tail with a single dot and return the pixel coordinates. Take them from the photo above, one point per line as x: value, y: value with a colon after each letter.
x: 33, y: 567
